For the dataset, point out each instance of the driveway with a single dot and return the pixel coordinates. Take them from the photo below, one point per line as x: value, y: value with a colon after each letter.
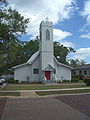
x: 45, y: 108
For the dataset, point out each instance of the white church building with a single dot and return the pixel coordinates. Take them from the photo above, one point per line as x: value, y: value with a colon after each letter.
x: 43, y: 66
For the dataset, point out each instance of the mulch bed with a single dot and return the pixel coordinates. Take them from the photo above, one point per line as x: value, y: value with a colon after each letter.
x: 79, y: 102
x: 2, y: 105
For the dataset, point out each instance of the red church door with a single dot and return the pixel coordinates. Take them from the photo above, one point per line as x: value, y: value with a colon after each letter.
x: 47, y: 75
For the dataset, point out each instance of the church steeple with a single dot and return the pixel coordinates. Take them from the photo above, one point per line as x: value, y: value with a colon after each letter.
x: 46, y: 43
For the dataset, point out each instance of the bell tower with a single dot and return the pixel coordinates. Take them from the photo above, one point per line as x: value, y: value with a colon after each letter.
x: 46, y: 44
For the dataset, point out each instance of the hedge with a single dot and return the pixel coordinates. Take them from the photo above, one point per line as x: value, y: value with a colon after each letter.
x: 13, y: 81
x: 80, y: 77
x: 74, y: 80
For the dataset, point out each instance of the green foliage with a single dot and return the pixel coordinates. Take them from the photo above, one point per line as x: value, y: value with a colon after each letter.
x: 12, y: 81
x: 79, y: 76
x: 61, y: 52
x: 28, y: 82
x: 66, y: 81
x: 13, y: 51
x: 3, y: 1
x: 36, y: 82
x: 25, y: 82
x: 9, y: 93
x: 43, y: 93
x: 19, y: 52
x: 12, y: 26
x: 74, y: 80
x: 77, y: 62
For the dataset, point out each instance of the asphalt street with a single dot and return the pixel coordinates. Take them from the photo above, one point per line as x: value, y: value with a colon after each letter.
x: 43, y: 108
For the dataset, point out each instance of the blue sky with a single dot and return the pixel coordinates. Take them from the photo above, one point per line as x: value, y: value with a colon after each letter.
x: 71, y: 20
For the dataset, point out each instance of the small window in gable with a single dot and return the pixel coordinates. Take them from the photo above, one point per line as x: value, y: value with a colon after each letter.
x: 47, y: 34
x: 35, y: 71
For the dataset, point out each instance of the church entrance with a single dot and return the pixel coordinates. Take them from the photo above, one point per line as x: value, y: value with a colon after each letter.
x: 47, y: 75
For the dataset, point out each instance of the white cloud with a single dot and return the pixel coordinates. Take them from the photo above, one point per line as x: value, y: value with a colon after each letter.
x: 68, y: 44
x: 38, y: 10
x: 86, y: 11
x: 59, y: 34
x: 86, y: 14
x: 82, y: 53
x: 85, y: 36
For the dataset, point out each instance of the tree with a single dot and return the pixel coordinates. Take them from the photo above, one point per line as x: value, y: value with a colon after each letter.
x: 61, y: 52
x: 12, y: 26
x: 76, y: 62
x: 25, y: 50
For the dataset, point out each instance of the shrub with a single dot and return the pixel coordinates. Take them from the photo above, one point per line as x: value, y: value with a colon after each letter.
x: 66, y: 81
x: 13, y: 81
x: 25, y: 82
x: 28, y: 82
x: 80, y: 77
x: 36, y: 82
x: 75, y: 80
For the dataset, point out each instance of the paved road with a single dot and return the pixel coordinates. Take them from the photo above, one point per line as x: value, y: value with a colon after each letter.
x: 50, y: 108
x: 2, y: 105
x: 79, y: 102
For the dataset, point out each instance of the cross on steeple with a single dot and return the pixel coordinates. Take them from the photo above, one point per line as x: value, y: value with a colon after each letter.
x: 47, y: 19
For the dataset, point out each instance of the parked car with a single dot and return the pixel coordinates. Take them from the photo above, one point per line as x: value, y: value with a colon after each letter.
x: 3, y: 81
x: 87, y: 80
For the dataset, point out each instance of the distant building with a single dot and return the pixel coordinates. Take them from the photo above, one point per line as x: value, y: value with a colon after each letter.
x: 43, y: 66
x: 82, y: 69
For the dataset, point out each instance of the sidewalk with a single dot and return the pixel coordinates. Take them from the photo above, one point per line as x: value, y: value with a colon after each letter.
x: 32, y: 93
x: 45, y: 90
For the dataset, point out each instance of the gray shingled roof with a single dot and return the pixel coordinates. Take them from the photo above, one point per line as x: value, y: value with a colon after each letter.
x: 87, y: 66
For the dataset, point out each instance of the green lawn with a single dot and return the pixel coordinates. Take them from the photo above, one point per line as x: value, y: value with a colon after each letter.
x: 43, y: 93
x: 42, y: 87
x: 9, y: 94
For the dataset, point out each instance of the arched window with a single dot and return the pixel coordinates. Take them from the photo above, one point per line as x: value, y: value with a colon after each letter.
x: 85, y: 72
x: 80, y: 72
x: 47, y: 34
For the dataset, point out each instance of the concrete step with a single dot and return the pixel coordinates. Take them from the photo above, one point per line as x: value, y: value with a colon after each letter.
x: 50, y: 82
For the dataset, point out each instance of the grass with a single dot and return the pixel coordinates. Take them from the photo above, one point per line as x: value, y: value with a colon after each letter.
x: 9, y: 93
x: 42, y: 87
x: 43, y: 93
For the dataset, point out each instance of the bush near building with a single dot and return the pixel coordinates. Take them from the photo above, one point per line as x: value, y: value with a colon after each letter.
x: 12, y: 81
x: 79, y: 76
x: 74, y: 80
